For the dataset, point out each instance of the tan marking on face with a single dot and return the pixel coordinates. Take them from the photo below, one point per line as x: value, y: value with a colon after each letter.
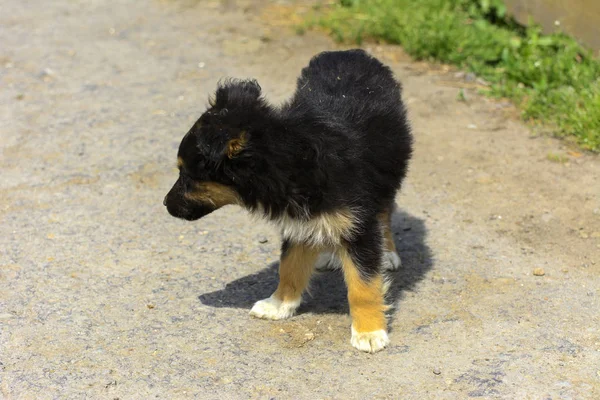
x: 388, y: 236
x: 295, y: 269
x: 234, y: 146
x: 179, y: 162
x: 214, y: 194
x: 366, y: 298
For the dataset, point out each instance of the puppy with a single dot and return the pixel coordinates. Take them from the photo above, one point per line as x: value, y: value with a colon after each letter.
x: 324, y: 168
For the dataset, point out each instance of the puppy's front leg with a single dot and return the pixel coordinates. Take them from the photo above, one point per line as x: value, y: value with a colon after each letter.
x: 361, y: 263
x: 295, y: 268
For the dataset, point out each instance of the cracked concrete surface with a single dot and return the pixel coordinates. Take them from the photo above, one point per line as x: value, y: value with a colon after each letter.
x: 103, y: 295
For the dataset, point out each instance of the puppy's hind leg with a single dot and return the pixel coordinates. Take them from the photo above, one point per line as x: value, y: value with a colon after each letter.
x: 328, y: 261
x: 295, y: 268
x: 361, y: 263
x: 391, y: 259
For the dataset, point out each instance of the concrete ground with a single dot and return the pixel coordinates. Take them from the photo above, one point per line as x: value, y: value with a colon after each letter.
x: 103, y: 295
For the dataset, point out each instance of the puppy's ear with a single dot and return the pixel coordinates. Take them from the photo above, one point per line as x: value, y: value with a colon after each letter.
x: 234, y: 93
x: 236, y: 145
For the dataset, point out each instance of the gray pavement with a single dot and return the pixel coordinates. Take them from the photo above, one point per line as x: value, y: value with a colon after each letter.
x: 104, y: 296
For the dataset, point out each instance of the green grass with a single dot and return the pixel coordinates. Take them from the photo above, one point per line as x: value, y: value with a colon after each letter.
x: 553, y: 79
x: 557, y: 158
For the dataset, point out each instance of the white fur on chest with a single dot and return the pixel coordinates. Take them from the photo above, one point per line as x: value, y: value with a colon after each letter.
x: 326, y: 229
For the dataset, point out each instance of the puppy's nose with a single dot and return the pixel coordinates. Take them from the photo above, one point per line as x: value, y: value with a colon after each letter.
x: 165, y: 201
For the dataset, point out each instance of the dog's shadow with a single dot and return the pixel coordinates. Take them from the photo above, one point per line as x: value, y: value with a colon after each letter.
x: 327, y: 290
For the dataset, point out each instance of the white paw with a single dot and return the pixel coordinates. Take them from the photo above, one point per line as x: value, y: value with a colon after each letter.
x: 327, y: 261
x: 391, y: 261
x: 273, y: 308
x: 371, y: 342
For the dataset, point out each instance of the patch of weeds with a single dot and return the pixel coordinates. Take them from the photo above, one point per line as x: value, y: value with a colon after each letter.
x: 552, y: 78
x: 461, y: 96
x: 557, y: 158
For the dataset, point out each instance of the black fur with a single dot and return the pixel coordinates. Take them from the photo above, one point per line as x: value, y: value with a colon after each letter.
x: 341, y: 142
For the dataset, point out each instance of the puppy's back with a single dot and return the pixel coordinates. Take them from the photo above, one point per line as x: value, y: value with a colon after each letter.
x: 350, y: 71
x: 350, y: 84
x: 350, y: 104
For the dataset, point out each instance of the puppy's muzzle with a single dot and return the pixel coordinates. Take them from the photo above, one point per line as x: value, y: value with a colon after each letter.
x: 179, y: 207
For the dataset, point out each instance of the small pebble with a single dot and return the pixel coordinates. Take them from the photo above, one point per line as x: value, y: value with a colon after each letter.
x: 263, y: 240
x: 539, y: 272
x: 437, y: 371
x: 150, y: 306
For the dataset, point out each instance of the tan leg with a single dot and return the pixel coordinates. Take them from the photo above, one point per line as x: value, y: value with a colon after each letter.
x: 367, y: 307
x: 295, y: 269
x: 391, y: 258
x: 386, y: 223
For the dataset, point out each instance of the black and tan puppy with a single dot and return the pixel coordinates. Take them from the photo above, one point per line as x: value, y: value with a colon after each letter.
x: 324, y: 167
